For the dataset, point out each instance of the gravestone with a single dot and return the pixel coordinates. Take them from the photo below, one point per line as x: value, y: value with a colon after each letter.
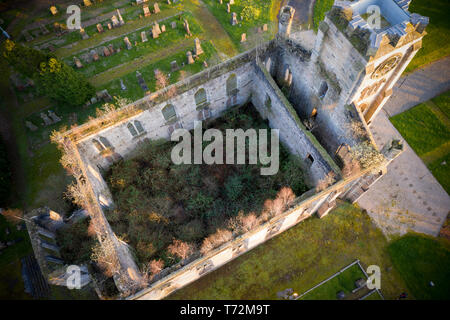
x: 174, y: 66
x: 53, y: 10
x: 106, y: 52
x: 53, y: 116
x: 265, y: 27
x: 197, y: 48
x: 46, y: 119
x: 168, y: 2
x: 143, y: 36
x: 231, y: 2
x: 120, y: 18
x: 186, y: 27
x: 228, y: 8
x: 221, y: 1
x: 189, y: 57
x: 78, y: 63
x: 205, y: 64
x: 146, y: 11
x: 115, y: 22
x: 141, y: 81
x: 94, y: 55
x: 84, y: 35
x: 109, y: 26
x: 156, y: 8
x: 163, y: 28
x: 156, y: 31
x: 243, y: 37
x: 111, y: 48
x: 127, y: 43
x: 87, y: 3
x: 99, y: 28
x: 173, y: 25
x: 122, y: 85
x: 30, y: 126
x: 234, y: 19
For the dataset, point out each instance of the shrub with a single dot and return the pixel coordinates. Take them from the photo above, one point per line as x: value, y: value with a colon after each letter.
x: 234, y: 187
x: 366, y: 154
x: 180, y: 249
x: 13, y: 216
x: 192, y: 231
x: 5, y: 176
x: 216, y: 239
x: 75, y: 242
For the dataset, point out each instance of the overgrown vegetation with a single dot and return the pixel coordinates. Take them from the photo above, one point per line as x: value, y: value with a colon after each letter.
x: 300, y: 258
x: 320, y: 8
x: 426, y: 128
x: 420, y: 260
x: 5, y: 176
x: 158, y: 202
x: 75, y: 242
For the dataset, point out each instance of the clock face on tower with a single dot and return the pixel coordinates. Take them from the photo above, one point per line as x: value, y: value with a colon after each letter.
x: 386, y: 66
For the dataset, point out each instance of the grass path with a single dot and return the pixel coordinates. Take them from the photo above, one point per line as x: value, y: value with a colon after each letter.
x: 213, y: 29
x: 136, y: 64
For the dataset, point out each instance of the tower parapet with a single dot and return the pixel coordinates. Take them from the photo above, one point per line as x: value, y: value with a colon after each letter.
x: 285, y: 21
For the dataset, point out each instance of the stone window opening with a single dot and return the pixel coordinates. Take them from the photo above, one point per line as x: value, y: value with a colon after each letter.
x: 288, y: 77
x: 323, y: 89
x: 98, y: 145
x: 268, y: 102
x: 135, y: 128
x: 231, y: 86
x: 169, y: 112
x: 309, y: 159
x: 102, y: 144
x: 201, y: 99
x: 268, y: 64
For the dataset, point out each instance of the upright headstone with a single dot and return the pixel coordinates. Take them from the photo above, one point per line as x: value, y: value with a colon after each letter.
x: 31, y: 126
x: 53, y: 10
x: 228, y: 8
x: 234, y: 19
x: 111, y: 48
x: 173, y: 24
x: 168, y: 2
x: 197, y: 48
x: 127, y: 43
x: 84, y: 35
x: 205, y: 64
x: 78, y: 63
x: 189, y: 57
x: 109, y: 26
x: 120, y: 18
x: 99, y: 28
x: 146, y: 11
x: 243, y: 37
x: 87, y: 3
x: 156, y: 30
x: 115, y: 22
x: 94, y: 55
x: 231, y: 2
x: 143, y: 36
x: 186, y: 27
x: 265, y: 27
x: 221, y: 1
x: 106, y: 52
x: 46, y: 119
x: 174, y: 66
x: 122, y: 85
x: 141, y: 81
x: 53, y: 116
x: 163, y: 28
x: 156, y: 8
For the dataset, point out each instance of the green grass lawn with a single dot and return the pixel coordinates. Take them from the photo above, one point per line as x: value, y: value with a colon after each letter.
x: 320, y: 8
x: 246, y: 26
x: 426, y: 128
x: 343, y: 282
x: 421, y: 259
x: 301, y: 257
x: 436, y: 44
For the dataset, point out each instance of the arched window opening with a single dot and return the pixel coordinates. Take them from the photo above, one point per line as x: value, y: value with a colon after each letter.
x: 268, y: 102
x: 169, y: 112
x: 309, y: 159
x: 200, y: 98
x: 232, y: 85
x: 323, y: 89
x: 138, y: 126
x: 268, y: 64
x: 98, y: 145
x: 132, y: 129
x: 105, y: 142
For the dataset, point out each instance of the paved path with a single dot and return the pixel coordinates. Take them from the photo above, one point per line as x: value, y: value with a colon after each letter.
x: 419, y: 86
x: 408, y: 197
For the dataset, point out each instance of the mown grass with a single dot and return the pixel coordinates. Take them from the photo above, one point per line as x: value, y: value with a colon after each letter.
x: 320, y: 8
x: 436, y: 44
x: 343, y: 282
x: 426, y: 128
x: 421, y: 259
x: 301, y: 257
x: 166, y: 39
x: 249, y: 27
